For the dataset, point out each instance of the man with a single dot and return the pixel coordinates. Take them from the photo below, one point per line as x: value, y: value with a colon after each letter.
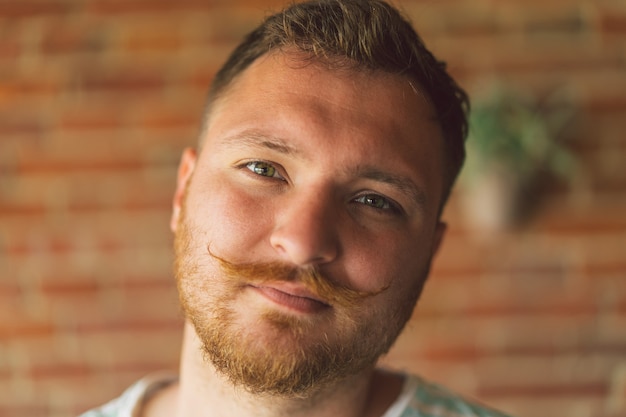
x: 306, y: 221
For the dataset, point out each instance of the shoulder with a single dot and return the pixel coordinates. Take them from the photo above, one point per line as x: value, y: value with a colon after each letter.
x: 423, y: 398
x: 129, y: 403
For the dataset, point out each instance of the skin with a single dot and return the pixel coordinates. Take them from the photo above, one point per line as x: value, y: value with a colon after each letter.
x: 337, y: 169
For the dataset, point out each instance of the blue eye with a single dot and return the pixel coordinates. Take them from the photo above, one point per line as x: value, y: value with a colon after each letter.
x: 264, y: 169
x: 375, y: 201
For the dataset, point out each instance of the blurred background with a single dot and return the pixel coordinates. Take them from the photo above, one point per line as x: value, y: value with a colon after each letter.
x: 526, y: 305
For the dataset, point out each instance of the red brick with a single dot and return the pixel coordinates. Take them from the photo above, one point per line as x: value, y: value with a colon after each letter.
x: 617, y: 399
x: 147, y: 232
x: 610, y: 18
x: 145, y: 6
x: 511, y: 56
x: 9, y: 49
x: 612, y: 24
x: 600, y: 94
x: 268, y: 5
x: 25, y: 329
x: 81, y: 289
x: 88, y: 190
x: 28, y: 8
x: 123, y: 81
x: 201, y: 78
x: 116, y: 310
x: 547, y: 407
x: 163, y: 36
x: 552, y: 371
x: 28, y: 94
x: 25, y: 410
x: 615, y: 102
x: 90, y: 118
x: 583, y: 221
x: 84, y: 37
x: 22, y: 126
x: 99, y: 150
x: 602, y: 256
x: 59, y: 370
x: 572, y: 390
x: 62, y: 167
x: 512, y: 295
x: 222, y: 29
x: 118, y: 351
x: 156, y: 118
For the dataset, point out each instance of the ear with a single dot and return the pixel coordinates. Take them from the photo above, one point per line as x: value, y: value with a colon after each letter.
x: 185, y: 170
x: 440, y: 231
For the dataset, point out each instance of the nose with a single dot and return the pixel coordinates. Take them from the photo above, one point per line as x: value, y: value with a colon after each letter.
x: 306, y: 230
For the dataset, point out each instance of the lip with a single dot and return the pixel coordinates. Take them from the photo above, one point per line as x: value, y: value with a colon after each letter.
x: 292, y: 296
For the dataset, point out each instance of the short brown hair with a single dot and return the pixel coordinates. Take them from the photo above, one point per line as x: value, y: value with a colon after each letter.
x: 368, y: 34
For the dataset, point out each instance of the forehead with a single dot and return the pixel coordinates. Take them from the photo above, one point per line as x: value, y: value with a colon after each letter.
x: 277, y: 75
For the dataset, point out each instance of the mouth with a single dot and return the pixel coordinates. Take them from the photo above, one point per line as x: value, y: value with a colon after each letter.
x: 291, y: 296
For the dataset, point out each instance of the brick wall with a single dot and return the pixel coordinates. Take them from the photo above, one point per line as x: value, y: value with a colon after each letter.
x: 98, y: 98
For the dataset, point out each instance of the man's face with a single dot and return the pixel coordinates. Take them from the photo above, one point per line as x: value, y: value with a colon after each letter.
x: 306, y: 168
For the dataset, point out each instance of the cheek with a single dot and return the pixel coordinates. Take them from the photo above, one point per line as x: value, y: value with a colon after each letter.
x: 374, y: 263
x: 403, y: 271
x: 228, y: 219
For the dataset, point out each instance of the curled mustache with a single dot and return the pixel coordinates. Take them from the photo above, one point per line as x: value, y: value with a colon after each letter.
x: 319, y: 285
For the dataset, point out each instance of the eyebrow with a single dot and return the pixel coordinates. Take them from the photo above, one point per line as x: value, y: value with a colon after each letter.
x: 260, y: 139
x: 403, y: 184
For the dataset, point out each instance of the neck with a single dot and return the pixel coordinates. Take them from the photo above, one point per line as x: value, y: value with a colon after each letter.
x: 203, y: 392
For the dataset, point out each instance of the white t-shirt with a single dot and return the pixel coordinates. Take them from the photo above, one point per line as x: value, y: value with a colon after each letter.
x: 419, y: 398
